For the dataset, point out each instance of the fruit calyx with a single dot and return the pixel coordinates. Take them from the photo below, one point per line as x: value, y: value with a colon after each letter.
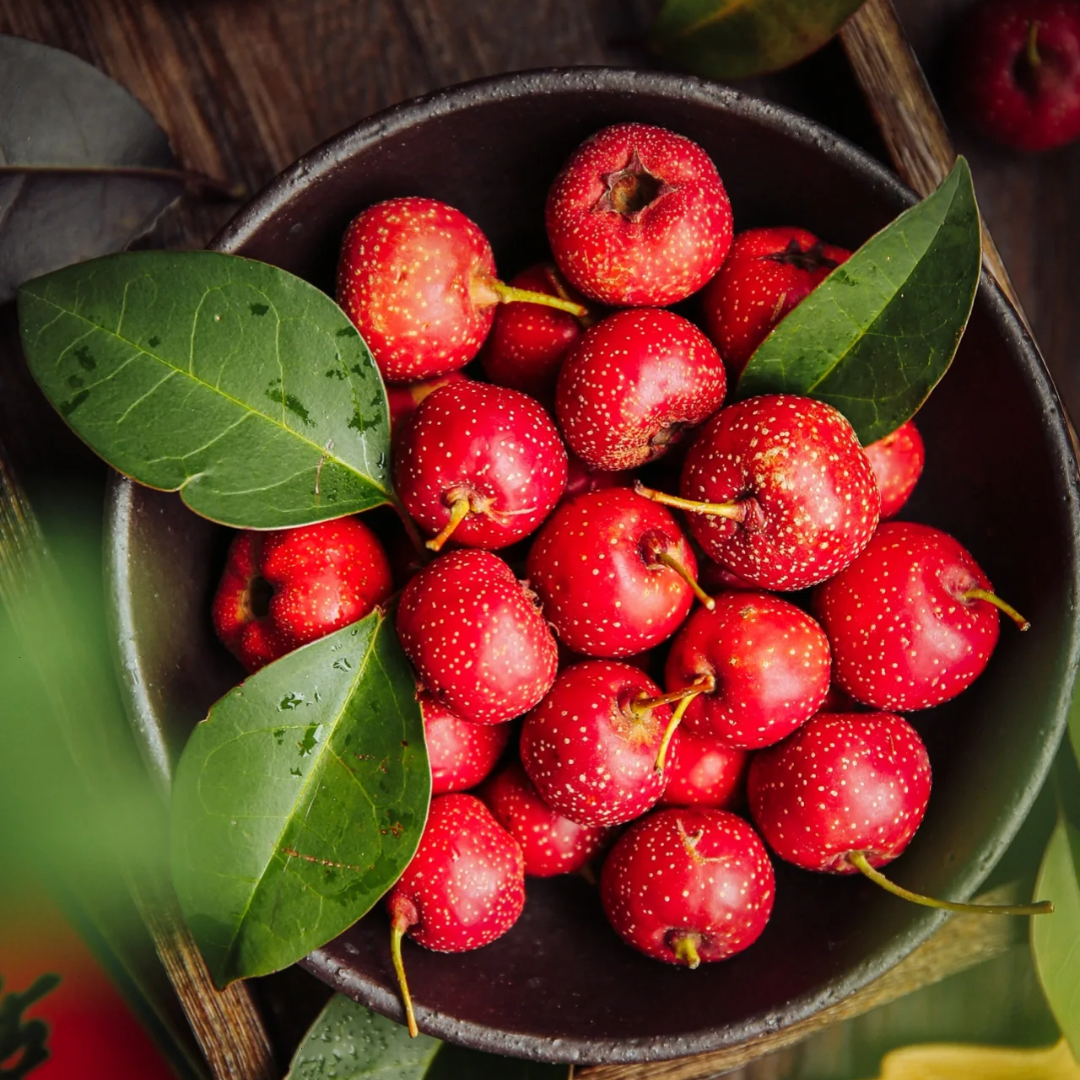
x: 1001, y: 605
x: 403, y: 915
x: 859, y: 860
x: 631, y: 190
x: 809, y: 259
x: 739, y: 510
x: 656, y: 551
x: 684, y: 944
x: 486, y: 290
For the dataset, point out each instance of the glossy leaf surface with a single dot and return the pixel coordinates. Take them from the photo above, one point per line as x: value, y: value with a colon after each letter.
x: 730, y: 39
x: 876, y: 336
x: 58, y: 110
x: 1055, y: 939
x: 232, y: 381
x: 299, y: 801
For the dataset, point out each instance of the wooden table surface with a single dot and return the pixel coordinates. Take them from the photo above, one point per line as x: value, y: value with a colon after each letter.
x: 243, y: 87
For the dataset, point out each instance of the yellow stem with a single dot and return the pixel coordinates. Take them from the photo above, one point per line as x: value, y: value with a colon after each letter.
x: 736, y: 511
x: 672, y: 563
x: 859, y: 860
x: 669, y: 732
x: 509, y: 294
x: 686, y: 951
x: 397, y: 932
x: 459, y: 510
x: 993, y: 598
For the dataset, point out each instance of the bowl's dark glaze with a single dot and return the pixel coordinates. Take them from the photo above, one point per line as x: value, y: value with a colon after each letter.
x: 1001, y: 477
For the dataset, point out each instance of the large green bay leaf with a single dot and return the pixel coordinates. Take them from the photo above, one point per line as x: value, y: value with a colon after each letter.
x: 299, y: 800
x: 1055, y: 939
x: 230, y: 380
x: 876, y: 336
x: 731, y: 39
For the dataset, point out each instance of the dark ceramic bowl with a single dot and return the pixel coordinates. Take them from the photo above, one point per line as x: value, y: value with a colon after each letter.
x: 1001, y: 477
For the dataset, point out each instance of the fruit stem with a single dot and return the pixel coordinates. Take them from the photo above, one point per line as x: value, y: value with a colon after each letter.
x: 509, y: 294
x: 993, y: 598
x: 459, y: 510
x: 736, y: 511
x: 640, y: 706
x: 686, y: 951
x: 676, y: 720
x: 672, y: 563
x: 1031, y: 50
x: 861, y: 863
x: 397, y: 932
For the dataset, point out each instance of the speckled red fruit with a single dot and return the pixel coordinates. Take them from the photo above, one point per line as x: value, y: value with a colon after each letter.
x: 582, y: 479
x: 688, y: 886
x: 590, y: 753
x: 768, y: 659
x: 465, y: 886
x: 702, y: 771
x: 634, y: 384
x: 638, y: 217
x: 766, y: 274
x: 525, y: 348
x: 494, y: 450
x: 803, y: 487
x: 405, y: 399
x: 1018, y: 71
x: 594, y: 566
x: 551, y: 843
x: 897, y: 461
x: 902, y: 635
x: 284, y: 588
x: 476, y: 638
x: 413, y: 276
x: 844, y: 782
x: 460, y: 754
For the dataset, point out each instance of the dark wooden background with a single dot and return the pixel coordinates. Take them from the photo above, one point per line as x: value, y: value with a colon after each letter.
x: 243, y: 87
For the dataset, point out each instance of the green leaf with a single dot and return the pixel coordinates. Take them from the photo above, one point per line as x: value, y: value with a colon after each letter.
x: 730, y: 39
x: 877, y: 334
x: 59, y: 111
x: 299, y: 801
x: 1055, y: 939
x: 234, y: 382
x: 347, y: 1042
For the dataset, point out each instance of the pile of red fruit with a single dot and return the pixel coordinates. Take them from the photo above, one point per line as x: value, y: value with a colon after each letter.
x: 625, y: 582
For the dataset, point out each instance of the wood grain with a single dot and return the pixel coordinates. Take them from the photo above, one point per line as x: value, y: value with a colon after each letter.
x: 907, y: 115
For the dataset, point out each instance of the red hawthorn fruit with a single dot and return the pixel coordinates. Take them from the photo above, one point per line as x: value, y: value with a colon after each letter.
x: 702, y: 771
x: 551, y: 844
x: 480, y: 463
x: 284, y: 588
x: 768, y: 662
x: 476, y: 638
x: 634, y: 384
x: 597, y: 566
x: 912, y: 621
x: 1018, y: 71
x: 844, y: 782
x: 461, y: 754
x: 688, y: 886
x: 405, y: 399
x: 638, y: 217
x: 782, y: 493
x: 590, y: 746
x: 767, y: 273
x: 897, y: 461
x: 525, y: 348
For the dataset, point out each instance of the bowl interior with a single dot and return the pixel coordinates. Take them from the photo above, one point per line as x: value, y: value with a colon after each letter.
x: 1000, y: 476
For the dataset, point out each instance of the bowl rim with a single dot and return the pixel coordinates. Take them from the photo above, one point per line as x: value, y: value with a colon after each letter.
x: 333, y: 154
